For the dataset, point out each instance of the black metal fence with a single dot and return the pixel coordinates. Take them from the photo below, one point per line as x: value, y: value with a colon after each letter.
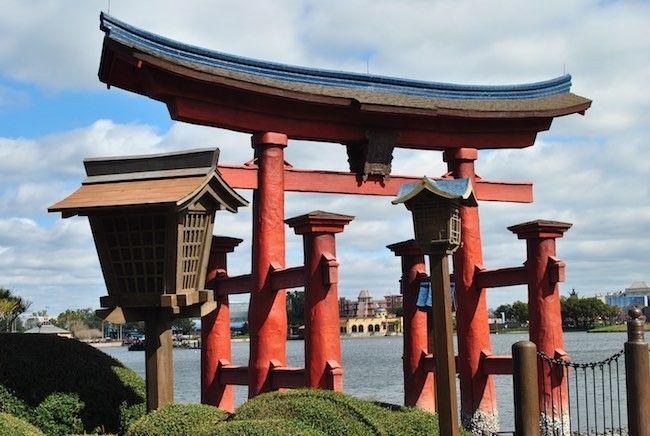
x: 555, y: 396
x: 595, y: 397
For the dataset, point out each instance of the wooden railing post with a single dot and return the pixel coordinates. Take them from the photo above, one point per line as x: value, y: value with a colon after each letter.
x: 637, y: 375
x: 526, y: 395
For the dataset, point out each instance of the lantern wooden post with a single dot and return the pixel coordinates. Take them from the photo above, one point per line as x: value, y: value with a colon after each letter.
x: 436, y: 221
x: 418, y: 381
x: 322, y: 333
x: 267, y: 314
x: 478, y: 396
x: 159, y: 364
x: 215, y: 330
x: 443, y: 352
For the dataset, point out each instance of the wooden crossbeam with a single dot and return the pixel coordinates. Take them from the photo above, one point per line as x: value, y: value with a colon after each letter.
x: 233, y: 285
x: 232, y: 374
x: 335, y: 182
x: 496, y: 365
x: 496, y: 278
x: 286, y: 377
x: 281, y: 278
x: 288, y: 278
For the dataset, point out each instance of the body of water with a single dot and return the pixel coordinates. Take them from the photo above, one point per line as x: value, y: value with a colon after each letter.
x: 373, y: 366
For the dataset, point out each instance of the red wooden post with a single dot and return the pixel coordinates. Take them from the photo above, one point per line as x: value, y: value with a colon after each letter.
x: 544, y: 272
x: 418, y: 381
x: 322, y: 333
x: 215, y: 330
x: 478, y: 397
x: 267, y: 314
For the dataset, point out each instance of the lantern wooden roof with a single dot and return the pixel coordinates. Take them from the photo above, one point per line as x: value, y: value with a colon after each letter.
x: 166, y: 180
x: 452, y: 189
x: 217, y: 89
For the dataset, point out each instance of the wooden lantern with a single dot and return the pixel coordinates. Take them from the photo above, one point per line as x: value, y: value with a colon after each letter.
x: 434, y: 205
x: 151, y: 219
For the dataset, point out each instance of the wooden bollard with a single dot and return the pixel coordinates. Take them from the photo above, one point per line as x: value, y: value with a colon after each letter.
x: 637, y: 375
x: 526, y: 394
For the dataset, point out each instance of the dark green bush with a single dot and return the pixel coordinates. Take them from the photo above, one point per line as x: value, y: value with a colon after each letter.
x: 177, y: 420
x: 34, y: 366
x: 58, y: 415
x: 333, y: 413
x: 13, y: 426
x: 11, y: 404
x: 260, y: 427
x: 329, y: 412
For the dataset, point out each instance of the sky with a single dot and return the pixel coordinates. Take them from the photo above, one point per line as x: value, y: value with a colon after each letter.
x: 591, y: 171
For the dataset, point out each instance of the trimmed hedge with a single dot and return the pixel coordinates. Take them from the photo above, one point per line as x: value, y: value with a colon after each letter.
x: 328, y: 412
x: 58, y: 415
x: 178, y: 420
x: 34, y: 366
x: 294, y: 412
x: 260, y: 427
x: 13, y: 426
x: 11, y: 404
x: 334, y: 413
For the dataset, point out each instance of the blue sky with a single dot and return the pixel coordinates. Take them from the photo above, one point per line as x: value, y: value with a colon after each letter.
x: 33, y: 111
x: 591, y: 171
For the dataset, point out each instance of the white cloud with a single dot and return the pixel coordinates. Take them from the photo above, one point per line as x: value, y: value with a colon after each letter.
x: 590, y: 170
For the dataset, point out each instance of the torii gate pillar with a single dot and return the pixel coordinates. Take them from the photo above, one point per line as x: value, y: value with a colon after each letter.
x: 544, y: 270
x: 478, y: 397
x: 419, y: 382
x: 322, y: 333
x: 267, y: 314
x: 215, y: 330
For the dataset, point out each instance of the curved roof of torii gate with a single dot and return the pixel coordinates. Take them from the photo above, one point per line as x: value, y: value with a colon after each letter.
x: 212, y: 88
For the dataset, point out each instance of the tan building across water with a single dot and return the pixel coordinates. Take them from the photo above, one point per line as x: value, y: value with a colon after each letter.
x: 368, y: 317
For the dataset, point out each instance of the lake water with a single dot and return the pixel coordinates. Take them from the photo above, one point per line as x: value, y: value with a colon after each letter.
x: 373, y: 366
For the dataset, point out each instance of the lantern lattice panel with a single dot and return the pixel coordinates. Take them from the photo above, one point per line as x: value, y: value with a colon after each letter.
x: 136, y: 251
x: 454, y: 226
x: 440, y: 222
x: 195, y: 226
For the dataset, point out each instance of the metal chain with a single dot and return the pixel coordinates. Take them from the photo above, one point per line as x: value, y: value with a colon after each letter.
x: 569, y: 364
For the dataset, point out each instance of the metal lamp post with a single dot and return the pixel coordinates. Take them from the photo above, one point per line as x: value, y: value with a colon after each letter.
x: 436, y: 221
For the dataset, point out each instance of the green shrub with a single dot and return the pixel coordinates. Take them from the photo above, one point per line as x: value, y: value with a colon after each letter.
x: 326, y: 411
x: 334, y: 413
x: 34, y: 366
x: 13, y: 426
x: 11, y: 404
x: 177, y: 420
x: 58, y: 415
x: 259, y: 427
x: 130, y: 414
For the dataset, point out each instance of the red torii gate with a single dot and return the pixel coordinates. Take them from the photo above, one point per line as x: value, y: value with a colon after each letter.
x: 371, y: 116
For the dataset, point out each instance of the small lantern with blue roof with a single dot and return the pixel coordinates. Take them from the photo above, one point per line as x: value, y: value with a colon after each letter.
x: 434, y: 205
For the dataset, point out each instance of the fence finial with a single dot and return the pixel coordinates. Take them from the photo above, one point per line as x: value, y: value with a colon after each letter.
x: 636, y: 325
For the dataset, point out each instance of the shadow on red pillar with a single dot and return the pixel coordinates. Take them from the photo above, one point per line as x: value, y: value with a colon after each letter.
x: 419, y: 383
x: 267, y: 315
x: 322, y: 332
x: 215, y: 330
x: 478, y: 396
x: 544, y: 270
